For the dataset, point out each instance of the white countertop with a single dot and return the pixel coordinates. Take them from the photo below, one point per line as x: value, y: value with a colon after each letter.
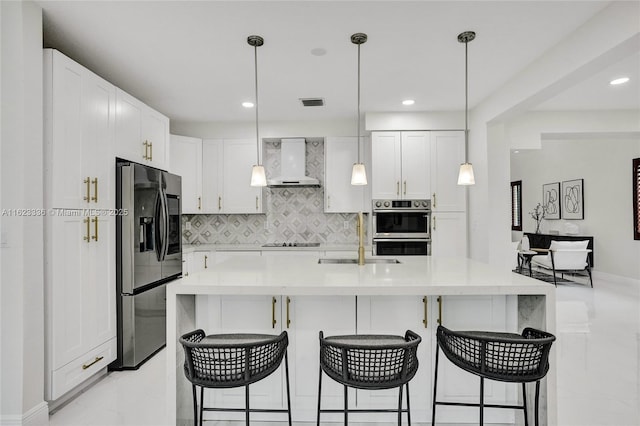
x: 302, y: 275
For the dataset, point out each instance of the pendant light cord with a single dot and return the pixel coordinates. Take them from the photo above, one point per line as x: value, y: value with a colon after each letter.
x: 255, y: 52
x: 358, y: 120
x: 466, y: 103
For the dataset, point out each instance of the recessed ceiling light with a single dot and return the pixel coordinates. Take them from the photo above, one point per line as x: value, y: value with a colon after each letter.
x: 620, y: 80
x: 247, y: 104
x: 516, y: 152
x: 408, y: 102
x: 318, y: 51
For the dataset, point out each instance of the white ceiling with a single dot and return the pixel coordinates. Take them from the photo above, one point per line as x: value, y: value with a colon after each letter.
x: 190, y: 60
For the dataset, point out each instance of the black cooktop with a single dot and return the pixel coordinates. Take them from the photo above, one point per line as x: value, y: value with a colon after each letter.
x: 292, y: 244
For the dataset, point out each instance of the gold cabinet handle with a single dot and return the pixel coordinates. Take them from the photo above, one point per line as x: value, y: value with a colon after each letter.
x: 199, y: 203
x: 397, y: 187
x: 146, y: 150
x: 273, y: 312
x: 328, y: 201
x: 87, y: 237
x: 95, y: 228
x: 205, y: 261
x: 434, y: 223
x: 405, y: 187
x: 151, y: 151
x: 256, y: 202
x: 433, y: 205
x: 98, y: 359
x: 95, y: 190
x: 425, y: 320
x: 288, y: 319
x: 219, y: 203
x: 440, y: 310
x: 87, y: 182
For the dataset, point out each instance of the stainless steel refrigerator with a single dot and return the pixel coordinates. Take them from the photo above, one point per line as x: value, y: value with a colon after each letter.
x: 149, y: 255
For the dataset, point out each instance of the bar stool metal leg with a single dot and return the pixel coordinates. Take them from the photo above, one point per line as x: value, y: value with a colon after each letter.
x: 319, y: 393
x: 481, y: 401
x: 537, y: 400
x: 408, y: 407
x: 201, y: 405
x: 286, y: 371
x: 399, y: 405
x: 435, y: 388
x: 246, y: 408
x: 524, y: 405
x: 195, y: 406
x: 346, y: 407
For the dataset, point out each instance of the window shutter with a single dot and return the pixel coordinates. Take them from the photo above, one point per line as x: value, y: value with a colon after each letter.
x: 636, y: 198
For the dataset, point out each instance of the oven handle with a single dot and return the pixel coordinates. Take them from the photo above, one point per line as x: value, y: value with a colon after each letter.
x: 401, y: 240
x: 425, y: 211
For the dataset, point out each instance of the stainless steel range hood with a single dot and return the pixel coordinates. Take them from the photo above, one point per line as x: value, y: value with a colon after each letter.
x: 292, y: 166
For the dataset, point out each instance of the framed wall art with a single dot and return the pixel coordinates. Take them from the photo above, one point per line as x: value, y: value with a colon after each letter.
x: 573, y: 199
x: 551, y: 200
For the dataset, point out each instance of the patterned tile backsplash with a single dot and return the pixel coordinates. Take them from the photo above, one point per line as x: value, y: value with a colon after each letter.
x: 292, y: 214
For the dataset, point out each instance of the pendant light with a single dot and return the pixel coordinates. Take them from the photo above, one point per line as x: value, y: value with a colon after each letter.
x: 359, y: 173
x: 465, y: 176
x: 258, y: 177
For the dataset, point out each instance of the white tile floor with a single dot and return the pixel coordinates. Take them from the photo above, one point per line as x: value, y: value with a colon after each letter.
x: 598, y: 368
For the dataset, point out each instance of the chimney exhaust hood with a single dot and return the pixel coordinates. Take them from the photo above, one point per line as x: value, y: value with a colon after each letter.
x: 292, y: 166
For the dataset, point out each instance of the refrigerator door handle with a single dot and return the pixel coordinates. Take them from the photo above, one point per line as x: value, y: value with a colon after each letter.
x: 165, y: 223
x: 159, y: 226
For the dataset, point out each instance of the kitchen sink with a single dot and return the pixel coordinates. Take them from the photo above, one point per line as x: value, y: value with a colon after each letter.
x: 355, y: 261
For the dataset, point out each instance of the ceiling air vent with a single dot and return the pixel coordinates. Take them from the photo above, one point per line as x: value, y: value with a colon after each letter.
x: 312, y: 102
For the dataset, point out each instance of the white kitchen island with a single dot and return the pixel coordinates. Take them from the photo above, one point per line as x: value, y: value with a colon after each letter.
x: 269, y: 294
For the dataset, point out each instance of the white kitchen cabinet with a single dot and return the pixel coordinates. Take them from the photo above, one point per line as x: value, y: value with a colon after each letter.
x: 334, y: 315
x: 238, y: 196
x: 400, y: 164
x: 186, y: 161
x: 79, y: 244
x: 449, y: 234
x: 447, y: 153
x: 79, y: 135
x: 226, y: 175
x: 201, y: 260
x: 394, y: 315
x: 488, y: 313
x: 80, y: 297
x: 243, y: 314
x: 142, y: 134
x: 340, y: 153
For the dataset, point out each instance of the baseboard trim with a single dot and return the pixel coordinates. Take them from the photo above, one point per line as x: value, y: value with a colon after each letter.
x: 37, y: 416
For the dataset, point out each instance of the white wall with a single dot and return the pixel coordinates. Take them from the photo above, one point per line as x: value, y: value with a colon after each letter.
x: 605, y: 166
x: 608, y: 37
x: 21, y: 274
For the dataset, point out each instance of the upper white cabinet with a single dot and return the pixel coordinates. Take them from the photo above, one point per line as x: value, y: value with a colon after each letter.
x: 186, y: 161
x: 340, y: 153
x: 216, y: 175
x: 400, y: 165
x: 447, y: 153
x: 142, y: 134
x: 79, y: 131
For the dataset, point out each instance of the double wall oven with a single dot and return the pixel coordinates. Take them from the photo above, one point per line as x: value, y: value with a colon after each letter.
x: 401, y: 227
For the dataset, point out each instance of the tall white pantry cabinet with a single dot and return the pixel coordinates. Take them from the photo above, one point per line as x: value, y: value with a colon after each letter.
x: 81, y: 122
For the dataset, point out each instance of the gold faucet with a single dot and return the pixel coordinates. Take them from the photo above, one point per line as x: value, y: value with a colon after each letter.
x: 360, y: 231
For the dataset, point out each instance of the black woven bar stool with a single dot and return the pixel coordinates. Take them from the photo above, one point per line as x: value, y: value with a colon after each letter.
x: 369, y: 362
x: 230, y: 361
x: 505, y: 357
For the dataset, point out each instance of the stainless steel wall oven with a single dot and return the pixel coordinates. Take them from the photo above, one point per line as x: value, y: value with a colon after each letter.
x: 401, y: 227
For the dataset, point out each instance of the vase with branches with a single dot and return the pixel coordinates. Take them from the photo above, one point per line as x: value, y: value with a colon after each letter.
x: 538, y: 214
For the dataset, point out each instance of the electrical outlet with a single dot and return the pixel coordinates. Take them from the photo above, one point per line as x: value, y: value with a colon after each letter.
x: 346, y: 224
x: 187, y: 226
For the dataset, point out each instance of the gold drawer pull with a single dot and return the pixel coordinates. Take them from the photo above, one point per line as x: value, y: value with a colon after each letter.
x: 273, y: 312
x: 87, y: 182
x: 425, y: 321
x: 205, y: 261
x: 87, y: 237
x: 405, y: 187
x: 288, y: 319
x: 146, y: 150
x: 95, y: 190
x: 98, y: 359
x: 398, y: 187
x: 199, y: 203
x: 219, y: 203
x: 434, y: 201
x: 440, y: 310
x: 95, y: 228
x: 151, y: 151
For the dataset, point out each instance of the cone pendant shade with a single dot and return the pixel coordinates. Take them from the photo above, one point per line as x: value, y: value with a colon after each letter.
x: 258, y: 177
x: 465, y: 176
x: 358, y: 174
